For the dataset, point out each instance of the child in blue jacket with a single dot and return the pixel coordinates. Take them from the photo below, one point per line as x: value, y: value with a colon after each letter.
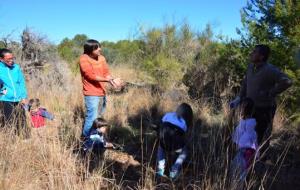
x: 96, y: 139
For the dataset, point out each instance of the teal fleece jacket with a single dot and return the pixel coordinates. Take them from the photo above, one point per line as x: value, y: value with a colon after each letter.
x: 14, y: 82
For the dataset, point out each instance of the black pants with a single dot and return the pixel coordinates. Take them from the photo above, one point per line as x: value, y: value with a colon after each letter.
x: 171, y: 137
x: 264, y: 120
x: 13, y: 117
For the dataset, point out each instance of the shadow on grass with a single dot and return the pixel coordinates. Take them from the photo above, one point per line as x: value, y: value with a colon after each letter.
x: 210, y: 150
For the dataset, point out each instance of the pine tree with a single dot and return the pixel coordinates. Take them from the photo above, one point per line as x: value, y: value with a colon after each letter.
x: 277, y: 24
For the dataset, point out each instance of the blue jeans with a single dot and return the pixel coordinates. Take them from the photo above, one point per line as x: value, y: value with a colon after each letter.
x: 95, y: 107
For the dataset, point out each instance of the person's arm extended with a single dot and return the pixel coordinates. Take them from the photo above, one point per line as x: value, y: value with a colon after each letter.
x: 47, y: 114
x: 88, y: 73
x: 103, y: 79
x: 108, y: 79
x: 107, y: 74
x: 282, y: 82
x: 108, y: 145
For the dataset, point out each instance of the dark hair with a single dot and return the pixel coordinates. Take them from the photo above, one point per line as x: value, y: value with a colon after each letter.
x: 33, y: 103
x: 90, y: 45
x: 264, y: 50
x: 185, y: 111
x: 247, y: 107
x: 4, y: 51
x: 99, y: 122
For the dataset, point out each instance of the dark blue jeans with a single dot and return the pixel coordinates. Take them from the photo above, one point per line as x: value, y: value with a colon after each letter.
x: 14, y: 117
x: 264, y: 119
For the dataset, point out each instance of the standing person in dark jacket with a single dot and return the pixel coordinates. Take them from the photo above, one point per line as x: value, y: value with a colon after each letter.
x: 262, y: 83
x: 13, y: 92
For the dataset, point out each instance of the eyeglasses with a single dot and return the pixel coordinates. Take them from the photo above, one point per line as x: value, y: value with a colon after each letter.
x: 10, y: 59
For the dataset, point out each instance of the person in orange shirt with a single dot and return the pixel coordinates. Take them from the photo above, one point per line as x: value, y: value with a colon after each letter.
x: 95, y: 75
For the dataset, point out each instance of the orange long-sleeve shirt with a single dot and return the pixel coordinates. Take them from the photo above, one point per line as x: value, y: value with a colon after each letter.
x: 89, y: 69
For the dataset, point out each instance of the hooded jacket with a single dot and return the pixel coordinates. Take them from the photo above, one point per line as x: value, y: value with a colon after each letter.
x: 14, y: 82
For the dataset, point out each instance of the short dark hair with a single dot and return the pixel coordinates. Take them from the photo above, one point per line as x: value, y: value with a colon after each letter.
x: 263, y: 50
x: 99, y: 122
x: 247, y: 108
x: 90, y: 45
x: 185, y: 111
x: 34, y: 103
x: 4, y: 51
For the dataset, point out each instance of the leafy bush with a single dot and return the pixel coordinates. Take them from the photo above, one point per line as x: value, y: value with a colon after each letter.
x: 276, y: 23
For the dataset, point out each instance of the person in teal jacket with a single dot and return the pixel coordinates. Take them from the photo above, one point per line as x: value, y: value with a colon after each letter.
x: 13, y: 96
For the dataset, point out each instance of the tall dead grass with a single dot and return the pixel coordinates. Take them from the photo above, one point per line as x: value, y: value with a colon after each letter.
x: 49, y: 160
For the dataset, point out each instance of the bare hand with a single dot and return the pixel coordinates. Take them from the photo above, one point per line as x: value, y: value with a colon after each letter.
x: 108, y: 145
x: 3, y: 92
x: 118, y: 82
x: 23, y: 101
x: 111, y: 81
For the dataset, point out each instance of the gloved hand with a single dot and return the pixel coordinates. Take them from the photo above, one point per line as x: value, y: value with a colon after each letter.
x: 234, y: 103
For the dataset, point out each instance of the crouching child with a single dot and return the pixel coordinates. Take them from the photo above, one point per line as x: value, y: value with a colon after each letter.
x: 38, y: 114
x: 96, y: 140
x: 172, y: 139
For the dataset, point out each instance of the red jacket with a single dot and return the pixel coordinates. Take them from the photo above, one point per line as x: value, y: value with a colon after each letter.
x: 38, y: 118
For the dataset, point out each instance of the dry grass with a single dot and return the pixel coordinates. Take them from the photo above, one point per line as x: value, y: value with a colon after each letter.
x: 48, y: 159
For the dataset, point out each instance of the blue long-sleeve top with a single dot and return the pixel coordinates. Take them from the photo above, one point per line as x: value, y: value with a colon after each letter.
x: 94, y: 140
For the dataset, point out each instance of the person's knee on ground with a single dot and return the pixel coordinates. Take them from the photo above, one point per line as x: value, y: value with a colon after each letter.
x: 97, y: 138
